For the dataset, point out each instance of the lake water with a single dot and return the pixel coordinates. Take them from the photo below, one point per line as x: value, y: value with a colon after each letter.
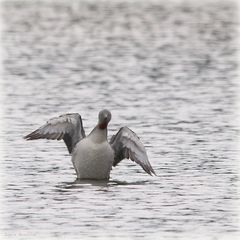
x: 166, y: 69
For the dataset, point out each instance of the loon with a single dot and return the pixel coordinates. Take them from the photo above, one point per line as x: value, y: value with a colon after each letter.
x: 93, y: 156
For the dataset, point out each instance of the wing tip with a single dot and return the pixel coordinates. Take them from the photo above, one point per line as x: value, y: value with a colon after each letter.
x: 148, y: 169
x: 33, y: 135
x: 30, y: 137
x: 27, y: 137
x: 153, y: 173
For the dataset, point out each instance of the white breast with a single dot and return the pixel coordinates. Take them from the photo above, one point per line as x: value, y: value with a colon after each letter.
x: 92, y: 160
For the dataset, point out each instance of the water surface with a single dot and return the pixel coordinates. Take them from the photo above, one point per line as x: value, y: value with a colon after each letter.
x: 166, y: 70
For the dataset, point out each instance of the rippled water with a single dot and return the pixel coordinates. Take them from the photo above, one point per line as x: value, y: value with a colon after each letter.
x: 168, y: 71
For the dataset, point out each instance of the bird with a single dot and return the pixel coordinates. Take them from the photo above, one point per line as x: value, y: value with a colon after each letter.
x: 93, y: 157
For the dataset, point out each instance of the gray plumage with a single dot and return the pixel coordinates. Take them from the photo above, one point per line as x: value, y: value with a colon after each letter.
x: 126, y: 144
x: 69, y: 127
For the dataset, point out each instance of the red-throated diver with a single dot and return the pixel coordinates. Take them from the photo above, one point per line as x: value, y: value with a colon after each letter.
x: 93, y: 156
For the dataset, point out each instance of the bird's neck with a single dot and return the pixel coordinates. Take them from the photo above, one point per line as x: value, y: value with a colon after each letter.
x: 98, y: 135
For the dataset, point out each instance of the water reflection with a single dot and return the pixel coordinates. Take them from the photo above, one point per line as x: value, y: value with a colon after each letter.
x: 169, y: 71
x: 79, y: 183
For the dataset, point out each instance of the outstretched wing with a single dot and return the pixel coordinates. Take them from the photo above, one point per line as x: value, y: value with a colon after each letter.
x: 68, y: 127
x: 126, y: 144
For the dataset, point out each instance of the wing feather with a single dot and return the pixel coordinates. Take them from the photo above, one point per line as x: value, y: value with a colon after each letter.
x: 68, y: 127
x: 126, y: 144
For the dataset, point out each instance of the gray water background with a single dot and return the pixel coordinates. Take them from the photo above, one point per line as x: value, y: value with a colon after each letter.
x: 167, y: 70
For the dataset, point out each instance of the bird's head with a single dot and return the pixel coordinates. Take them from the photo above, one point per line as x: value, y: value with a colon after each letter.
x: 104, y: 118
